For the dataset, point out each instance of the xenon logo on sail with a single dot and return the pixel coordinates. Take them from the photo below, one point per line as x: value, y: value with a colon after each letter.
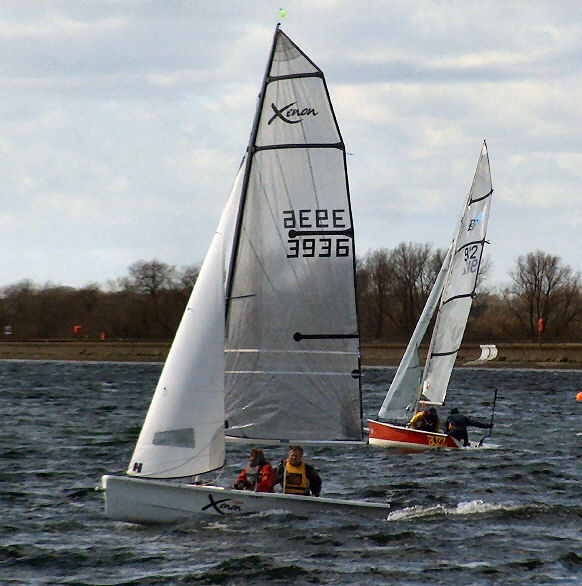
x: 291, y: 115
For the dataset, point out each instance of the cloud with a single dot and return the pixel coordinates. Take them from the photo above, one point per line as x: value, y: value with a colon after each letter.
x: 122, y: 123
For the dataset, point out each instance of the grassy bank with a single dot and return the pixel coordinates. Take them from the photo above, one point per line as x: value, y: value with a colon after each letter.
x: 373, y: 354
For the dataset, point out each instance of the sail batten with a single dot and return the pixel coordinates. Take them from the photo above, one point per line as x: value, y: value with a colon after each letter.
x: 271, y: 147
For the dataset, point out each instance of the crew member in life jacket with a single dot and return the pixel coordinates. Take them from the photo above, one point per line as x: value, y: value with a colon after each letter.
x: 456, y: 426
x: 296, y: 476
x: 427, y: 420
x: 258, y: 476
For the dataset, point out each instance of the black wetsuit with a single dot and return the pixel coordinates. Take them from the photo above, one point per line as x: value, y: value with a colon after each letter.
x: 456, y: 426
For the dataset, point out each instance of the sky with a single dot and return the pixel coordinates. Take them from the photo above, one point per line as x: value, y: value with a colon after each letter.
x: 122, y: 124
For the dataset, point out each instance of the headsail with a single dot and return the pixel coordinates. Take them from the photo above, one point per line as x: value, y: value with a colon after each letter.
x: 400, y: 401
x: 292, y: 360
x: 183, y: 434
x: 460, y: 286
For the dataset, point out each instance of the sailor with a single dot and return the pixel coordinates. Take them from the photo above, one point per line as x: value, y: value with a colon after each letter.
x: 427, y: 420
x: 258, y: 476
x: 297, y: 476
x: 456, y: 426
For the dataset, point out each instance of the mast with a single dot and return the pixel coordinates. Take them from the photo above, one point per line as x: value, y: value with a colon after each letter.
x: 248, y: 163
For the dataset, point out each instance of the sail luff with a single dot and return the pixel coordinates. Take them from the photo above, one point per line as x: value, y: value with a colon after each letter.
x: 248, y: 164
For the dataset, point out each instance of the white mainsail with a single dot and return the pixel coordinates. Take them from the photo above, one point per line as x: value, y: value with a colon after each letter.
x: 183, y: 434
x: 460, y: 286
x: 292, y: 358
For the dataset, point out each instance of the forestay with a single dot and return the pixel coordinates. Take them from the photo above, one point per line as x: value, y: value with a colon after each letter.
x: 460, y: 285
x: 292, y: 358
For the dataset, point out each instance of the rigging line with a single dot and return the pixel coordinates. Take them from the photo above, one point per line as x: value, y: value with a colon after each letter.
x: 298, y: 336
x: 288, y: 372
x: 302, y: 351
x: 441, y: 354
x: 471, y: 243
x: 299, y: 145
x: 455, y: 297
x: 300, y: 51
x: 347, y: 232
x: 481, y: 198
x: 273, y: 78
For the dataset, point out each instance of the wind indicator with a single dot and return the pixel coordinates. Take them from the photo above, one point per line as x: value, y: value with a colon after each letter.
x: 282, y: 12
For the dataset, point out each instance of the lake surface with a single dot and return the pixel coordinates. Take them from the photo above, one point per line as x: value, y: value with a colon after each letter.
x: 507, y: 514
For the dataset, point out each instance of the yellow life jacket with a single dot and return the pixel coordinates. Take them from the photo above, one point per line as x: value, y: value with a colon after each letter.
x: 295, y: 479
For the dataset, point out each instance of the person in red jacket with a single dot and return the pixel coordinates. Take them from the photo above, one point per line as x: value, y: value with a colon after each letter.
x: 258, y: 475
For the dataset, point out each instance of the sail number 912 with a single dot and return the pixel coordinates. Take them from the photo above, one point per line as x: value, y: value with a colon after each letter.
x: 471, y: 259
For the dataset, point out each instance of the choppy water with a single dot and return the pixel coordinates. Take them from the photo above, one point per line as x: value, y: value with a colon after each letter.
x: 508, y: 514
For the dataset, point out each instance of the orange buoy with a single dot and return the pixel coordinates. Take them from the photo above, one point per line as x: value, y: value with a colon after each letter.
x: 579, y: 396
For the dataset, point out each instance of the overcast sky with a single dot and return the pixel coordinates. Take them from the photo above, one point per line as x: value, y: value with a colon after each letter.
x: 122, y: 123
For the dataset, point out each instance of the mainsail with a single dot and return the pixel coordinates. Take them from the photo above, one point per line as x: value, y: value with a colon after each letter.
x: 292, y: 346
x: 460, y: 286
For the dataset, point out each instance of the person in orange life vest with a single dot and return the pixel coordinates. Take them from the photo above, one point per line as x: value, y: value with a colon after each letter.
x: 258, y: 476
x: 426, y: 420
x: 456, y: 426
x: 296, y: 476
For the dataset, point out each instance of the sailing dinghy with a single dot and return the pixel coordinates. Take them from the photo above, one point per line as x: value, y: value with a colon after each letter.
x: 412, y: 389
x: 268, y: 348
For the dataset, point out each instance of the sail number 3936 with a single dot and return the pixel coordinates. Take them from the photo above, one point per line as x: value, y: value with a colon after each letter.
x: 322, y: 247
x: 317, y: 233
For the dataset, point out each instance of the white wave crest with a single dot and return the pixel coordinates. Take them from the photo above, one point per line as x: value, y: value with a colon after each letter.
x: 463, y: 508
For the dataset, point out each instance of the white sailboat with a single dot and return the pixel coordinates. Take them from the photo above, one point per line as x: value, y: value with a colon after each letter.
x: 269, y: 348
x: 452, y: 293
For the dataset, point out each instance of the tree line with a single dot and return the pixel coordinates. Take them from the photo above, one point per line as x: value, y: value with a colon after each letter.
x: 392, y: 286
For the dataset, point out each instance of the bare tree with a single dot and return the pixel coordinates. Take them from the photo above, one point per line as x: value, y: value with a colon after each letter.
x: 379, y: 273
x: 151, y: 277
x: 543, y: 288
x: 414, y: 269
x: 189, y: 276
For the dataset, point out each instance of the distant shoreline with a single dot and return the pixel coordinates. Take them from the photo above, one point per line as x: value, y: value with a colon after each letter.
x: 511, y: 355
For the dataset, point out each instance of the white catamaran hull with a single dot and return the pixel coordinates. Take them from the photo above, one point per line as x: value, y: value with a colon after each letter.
x: 156, y: 501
